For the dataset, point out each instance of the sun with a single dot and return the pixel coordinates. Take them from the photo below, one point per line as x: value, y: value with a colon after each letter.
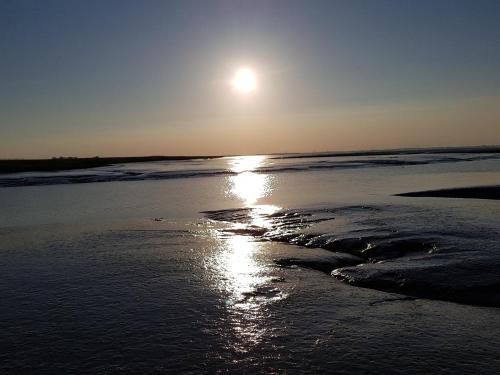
x: 244, y: 80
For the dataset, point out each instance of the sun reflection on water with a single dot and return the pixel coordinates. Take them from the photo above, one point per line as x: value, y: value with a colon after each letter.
x: 243, y: 278
x: 247, y: 185
x: 241, y: 272
x: 241, y: 164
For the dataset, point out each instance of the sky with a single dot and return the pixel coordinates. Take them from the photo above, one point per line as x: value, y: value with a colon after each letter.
x: 126, y: 78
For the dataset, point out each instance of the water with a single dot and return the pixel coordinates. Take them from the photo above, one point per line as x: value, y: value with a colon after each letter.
x: 225, y: 265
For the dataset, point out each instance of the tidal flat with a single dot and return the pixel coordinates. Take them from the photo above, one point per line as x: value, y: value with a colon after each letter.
x: 270, y: 264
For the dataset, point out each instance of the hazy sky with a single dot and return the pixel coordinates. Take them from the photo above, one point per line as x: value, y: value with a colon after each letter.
x: 105, y: 77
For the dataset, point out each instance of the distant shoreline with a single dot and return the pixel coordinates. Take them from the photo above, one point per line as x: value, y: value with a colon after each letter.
x: 397, y: 151
x: 61, y: 164
x: 71, y: 163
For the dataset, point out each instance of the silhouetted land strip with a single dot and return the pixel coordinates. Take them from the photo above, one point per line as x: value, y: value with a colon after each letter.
x: 480, y: 192
x: 60, y: 164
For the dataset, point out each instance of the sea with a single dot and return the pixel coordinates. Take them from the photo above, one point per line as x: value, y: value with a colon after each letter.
x: 272, y: 264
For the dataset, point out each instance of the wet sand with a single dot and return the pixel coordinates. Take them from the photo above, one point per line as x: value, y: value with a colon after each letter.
x: 479, y: 192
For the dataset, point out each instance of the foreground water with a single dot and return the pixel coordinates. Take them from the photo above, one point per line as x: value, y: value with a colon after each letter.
x: 266, y: 264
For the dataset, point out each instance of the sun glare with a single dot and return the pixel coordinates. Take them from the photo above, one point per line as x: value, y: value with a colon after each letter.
x: 244, y: 80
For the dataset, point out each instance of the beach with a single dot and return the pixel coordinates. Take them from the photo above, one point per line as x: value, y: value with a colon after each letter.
x: 268, y: 264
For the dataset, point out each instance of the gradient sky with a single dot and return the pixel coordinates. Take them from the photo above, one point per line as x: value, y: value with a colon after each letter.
x: 85, y: 78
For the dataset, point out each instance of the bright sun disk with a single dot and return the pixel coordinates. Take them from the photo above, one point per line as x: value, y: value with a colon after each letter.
x: 244, y: 80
